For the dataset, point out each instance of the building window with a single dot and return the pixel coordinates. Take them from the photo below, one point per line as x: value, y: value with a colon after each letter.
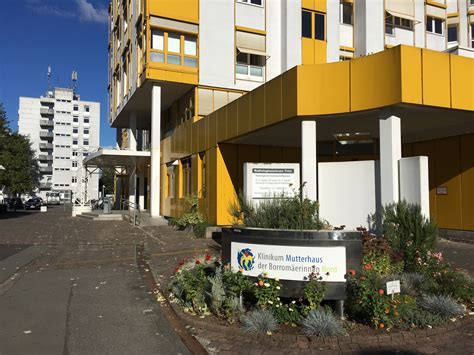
x: 75, y: 130
x: 472, y: 35
x: 253, y: 2
x: 171, y: 180
x: 166, y: 48
x: 346, y: 13
x: 86, y: 120
x: 249, y: 66
x: 86, y: 142
x: 393, y: 21
x: 75, y: 108
x: 452, y: 33
x: 434, y: 25
x: 308, y: 19
x: 87, y: 108
x: 74, y: 142
x: 74, y: 164
x: 74, y: 153
x: 75, y: 119
x: 187, y: 182
x: 74, y: 179
x: 86, y: 131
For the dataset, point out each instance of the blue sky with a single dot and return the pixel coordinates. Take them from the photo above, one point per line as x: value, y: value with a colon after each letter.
x: 66, y: 34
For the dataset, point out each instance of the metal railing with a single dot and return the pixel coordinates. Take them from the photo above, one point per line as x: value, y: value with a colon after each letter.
x: 130, y: 211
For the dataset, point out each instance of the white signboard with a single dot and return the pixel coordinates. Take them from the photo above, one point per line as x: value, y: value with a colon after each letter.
x: 393, y: 287
x: 289, y: 262
x: 264, y: 181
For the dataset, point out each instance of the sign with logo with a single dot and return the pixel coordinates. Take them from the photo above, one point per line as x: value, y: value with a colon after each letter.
x: 265, y: 181
x: 289, y: 262
x: 393, y: 287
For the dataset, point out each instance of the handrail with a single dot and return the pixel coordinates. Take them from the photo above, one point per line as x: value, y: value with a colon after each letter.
x: 133, y: 209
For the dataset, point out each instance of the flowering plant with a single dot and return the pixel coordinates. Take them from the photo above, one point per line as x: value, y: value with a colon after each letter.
x: 266, y: 291
x: 314, y: 291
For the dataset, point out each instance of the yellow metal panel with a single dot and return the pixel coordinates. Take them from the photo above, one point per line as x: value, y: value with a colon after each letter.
x: 195, y: 174
x: 273, y: 102
x: 244, y: 114
x: 201, y: 129
x: 232, y: 119
x: 212, y: 130
x: 226, y: 178
x: 412, y: 91
x: 270, y: 154
x: 436, y: 80
x: 320, y: 52
x: 375, y: 80
x: 289, y: 94
x: 257, y: 107
x: 222, y: 124
x: 290, y: 155
x: 308, y: 4
x: 154, y: 73
x: 179, y: 180
x: 307, y: 50
x: 183, y: 10
x: 188, y: 138
x: 462, y: 82
x: 320, y: 5
x: 467, y: 181
x: 212, y: 186
x: 323, y: 89
x: 448, y: 169
x: 181, y: 139
x: 195, y: 137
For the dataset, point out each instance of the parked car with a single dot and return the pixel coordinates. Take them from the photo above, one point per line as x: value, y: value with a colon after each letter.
x: 15, y: 203
x: 53, y: 198
x: 34, y: 203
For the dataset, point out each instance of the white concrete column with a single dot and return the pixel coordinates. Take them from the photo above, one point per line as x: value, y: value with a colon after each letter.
x: 141, y: 190
x: 132, y: 132
x: 155, y: 136
x: 390, y: 153
x: 309, y: 161
x: 118, y: 192
x: 132, y: 186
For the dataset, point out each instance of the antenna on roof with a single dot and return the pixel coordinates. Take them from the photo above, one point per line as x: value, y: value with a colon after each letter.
x: 49, y: 77
x: 74, y: 81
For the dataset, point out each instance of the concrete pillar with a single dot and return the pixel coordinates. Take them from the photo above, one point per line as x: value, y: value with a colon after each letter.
x: 132, y: 132
x: 155, y: 136
x: 118, y: 192
x: 141, y: 190
x: 132, y: 186
x: 309, y: 161
x: 390, y: 153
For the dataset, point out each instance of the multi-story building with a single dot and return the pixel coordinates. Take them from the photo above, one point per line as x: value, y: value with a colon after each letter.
x: 63, y: 130
x: 203, y: 86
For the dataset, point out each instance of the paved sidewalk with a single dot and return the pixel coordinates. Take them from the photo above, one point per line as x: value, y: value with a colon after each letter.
x: 218, y: 337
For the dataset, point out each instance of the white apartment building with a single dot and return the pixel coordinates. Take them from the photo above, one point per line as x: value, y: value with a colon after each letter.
x: 63, y: 130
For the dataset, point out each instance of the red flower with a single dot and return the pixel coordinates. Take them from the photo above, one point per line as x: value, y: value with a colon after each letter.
x: 351, y: 272
x: 368, y: 267
x: 197, y: 262
x: 181, y: 263
x: 208, y: 257
x: 381, y: 291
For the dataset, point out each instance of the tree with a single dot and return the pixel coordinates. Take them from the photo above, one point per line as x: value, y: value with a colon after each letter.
x: 16, y: 156
x: 107, y: 180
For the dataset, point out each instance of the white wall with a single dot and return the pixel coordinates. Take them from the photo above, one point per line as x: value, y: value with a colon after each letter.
x: 251, y: 16
x: 400, y: 36
x: 370, y: 27
x: 347, y: 192
x: 346, y: 35
x: 435, y: 41
x: 414, y: 182
x: 332, y: 32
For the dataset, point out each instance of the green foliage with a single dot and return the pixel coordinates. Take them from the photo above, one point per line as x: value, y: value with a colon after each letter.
x: 407, y: 231
x: 107, y: 179
x: 415, y: 317
x: 193, y: 219
x: 444, y: 306
x: 259, y: 321
x: 287, y: 313
x: 282, y: 212
x: 381, y: 263
x: 267, y: 291
x: 314, y: 292
x: 322, y: 323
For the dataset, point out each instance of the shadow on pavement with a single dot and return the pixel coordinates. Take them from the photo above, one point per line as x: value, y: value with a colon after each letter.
x: 17, y: 214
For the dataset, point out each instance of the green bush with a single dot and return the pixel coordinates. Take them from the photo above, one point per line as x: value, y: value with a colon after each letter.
x: 314, y: 293
x: 193, y: 219
x: 407, y: 231
x: 415, y: 317
x: 443, y: 306
x: 282, y: 212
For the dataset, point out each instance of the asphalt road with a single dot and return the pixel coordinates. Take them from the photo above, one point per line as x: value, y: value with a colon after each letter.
x: 72, y: 286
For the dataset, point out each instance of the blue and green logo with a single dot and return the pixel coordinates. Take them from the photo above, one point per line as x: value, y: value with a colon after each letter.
x: 245, y: 259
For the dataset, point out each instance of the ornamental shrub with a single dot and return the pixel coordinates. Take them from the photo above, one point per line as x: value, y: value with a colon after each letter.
x: 193, y: 219
x: 314, y: 292
x: 259, y: 321
x: 407, y: 231
x: 322, y: 323
x: 281, y: 212
x: 443, y: 306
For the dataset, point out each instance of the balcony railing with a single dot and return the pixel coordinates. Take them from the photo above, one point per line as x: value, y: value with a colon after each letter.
x: 46, y: 111
x: 44, y: 157
x: 46, y: 135
x: 46, y: 123
x: 46, y: 169
x: 45, y: 146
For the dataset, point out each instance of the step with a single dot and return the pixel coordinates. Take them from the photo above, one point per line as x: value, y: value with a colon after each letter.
x: 101, y: 217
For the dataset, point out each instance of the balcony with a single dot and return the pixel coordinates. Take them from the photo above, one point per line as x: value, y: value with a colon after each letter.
x: 45, y: 185
x: 46, y: 123
x: 46, y: 111
x: 46, y: 169
x: 45, y: 146
x: 47, y: 135
x: 44, y: 157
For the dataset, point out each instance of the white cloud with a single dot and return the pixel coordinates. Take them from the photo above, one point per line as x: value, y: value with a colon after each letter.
x: 44, y: 8
x: 88, y: 13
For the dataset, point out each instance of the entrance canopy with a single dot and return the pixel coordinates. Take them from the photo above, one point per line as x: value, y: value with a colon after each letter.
x: 114, y: 158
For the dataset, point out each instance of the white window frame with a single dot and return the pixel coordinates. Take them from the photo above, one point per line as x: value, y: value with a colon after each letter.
x: 249, y: 2
x: 248, y: 66
x: 433, y: 26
